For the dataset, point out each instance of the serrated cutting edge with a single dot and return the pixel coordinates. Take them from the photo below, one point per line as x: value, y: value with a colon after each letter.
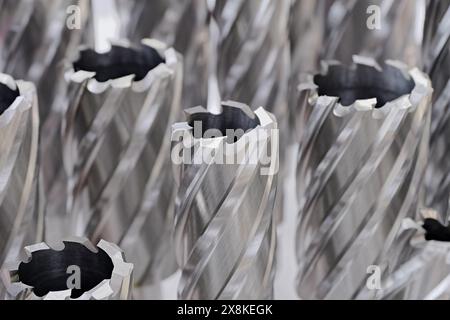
x: 363, y: 152
x: 45, y: 271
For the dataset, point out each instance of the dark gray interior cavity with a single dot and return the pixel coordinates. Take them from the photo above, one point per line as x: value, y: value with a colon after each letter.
x: 119, y: 62
x: 7, y: 97
x: 231, y: 118
x: 436, y: 231
x: 47, y: 270
x: 363, y: 82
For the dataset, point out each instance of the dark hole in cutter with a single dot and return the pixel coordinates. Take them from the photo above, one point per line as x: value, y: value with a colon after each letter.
x: 7, y: 97
x: 48, y: 269
x: 350, y: 84
x: 119, y: 62
x: 434, y: 230
x: 230, y: 119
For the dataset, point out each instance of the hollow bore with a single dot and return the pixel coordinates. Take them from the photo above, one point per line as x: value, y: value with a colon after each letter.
x: 49, y: 270
x: 7, y: 97
x: 232, y: 123
x: 351, y: 84
x: 434, y: 230
x: 119, y: 62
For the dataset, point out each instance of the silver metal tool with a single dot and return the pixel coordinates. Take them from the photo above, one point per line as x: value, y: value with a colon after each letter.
x: 363, y: 154
x: 67, y: 26
x: 307, y: 23
x: 251, y: 40
x: 116, y: 155
x: 382, y: 29
x: 226, y: 166
x: 437, y: 52
x: 38, y: 35
x: 436, y: 31
x: 21, y: 221
x: 23, y: 23
x: 70, y: 269
x: 424, y: 273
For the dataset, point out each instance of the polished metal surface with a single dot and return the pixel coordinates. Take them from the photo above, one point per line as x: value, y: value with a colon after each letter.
x: 35, y: 42
x: 425, y: 276
x: 363, y: 153
x: 22, y: 25
x: 436, y: 31
x: 116, y: 153
x: 424, y: 273
x: 224, y: 228
x: 20, y: 218
x: 44, y: 272
x: 86, y: 150
x: 437, y: 50
x: 382, y: 29
x: 307, y: 24
x: 251, y: 53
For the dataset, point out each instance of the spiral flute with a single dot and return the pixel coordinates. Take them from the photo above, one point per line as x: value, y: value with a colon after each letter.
x: 23, y: 23
x: 20, y: 217
x: 437, y: 52
x: 424, y: 274
x: 116, y: 152
x: 382, y: 29
x: 224, y: 226
x: 49, y: 272
x: 363, y: 153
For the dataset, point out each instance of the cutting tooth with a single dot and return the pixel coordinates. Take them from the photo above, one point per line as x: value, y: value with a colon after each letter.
x: 363, y: 152
x: 104, y: 275
x: 117, y: 174
x: 224, y: 226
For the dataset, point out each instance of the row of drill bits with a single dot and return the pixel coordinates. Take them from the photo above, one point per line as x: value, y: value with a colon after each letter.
x: 96, y: 147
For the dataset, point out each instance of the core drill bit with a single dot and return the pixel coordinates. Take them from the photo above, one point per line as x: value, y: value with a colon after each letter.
x: 253, y: 53
x: 20, y: 219
x: 22, y: 24
x: 251, y: 38
x: 436, y: 31
x: 382, y: 29
x: 70, y: 269
x: 425, y: 275
x: 437, y: 51
x: 165, y: 20
x: 363, y: 153
x: 226, y: 166
x: 306, y: 30
x: 116, y: 152
x: 35, y: 33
